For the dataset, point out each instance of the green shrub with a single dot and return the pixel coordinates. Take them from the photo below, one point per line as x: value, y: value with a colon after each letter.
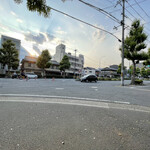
x: 127, y: 79
x: 138, y: 82
x: 107, y: 79
x: 114, y: 79
x: 100, y: 78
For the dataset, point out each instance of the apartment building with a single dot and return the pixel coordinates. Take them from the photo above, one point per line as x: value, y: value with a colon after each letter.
x: 28, y: 64
x: 90, y: 70
x: 77, y: 62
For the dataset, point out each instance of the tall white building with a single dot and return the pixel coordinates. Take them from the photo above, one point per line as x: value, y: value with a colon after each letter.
x: 17, y: 43
x: 77, y: 62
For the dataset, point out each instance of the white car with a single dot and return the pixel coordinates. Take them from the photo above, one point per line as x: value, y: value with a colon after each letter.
x: 30, y: 75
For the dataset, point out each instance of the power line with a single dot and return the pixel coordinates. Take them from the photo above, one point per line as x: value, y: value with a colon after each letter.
x: 135, y: 10
x: 142, y: 8
x: 120, y: 10
x: 85, y: 22
x: 135, y: 17
x: 102, y: 11
x: 128, y: 6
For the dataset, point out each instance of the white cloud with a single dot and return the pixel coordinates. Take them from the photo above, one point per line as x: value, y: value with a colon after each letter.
x: 1, y: 8
x: 2, y: 27
x: 98, y: 35
x: 14, y: 14
x: 60, y: 32
x: 19, y: 20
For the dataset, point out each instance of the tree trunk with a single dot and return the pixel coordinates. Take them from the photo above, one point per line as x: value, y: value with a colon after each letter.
x: 43, y: 74
x: 133, y: 75
x: 64, y: 74
x: 9, y: 74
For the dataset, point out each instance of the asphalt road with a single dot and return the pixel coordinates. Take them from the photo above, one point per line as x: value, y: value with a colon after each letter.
x: 110, y: 91
x: 40, y: 124
x: 70, y: 115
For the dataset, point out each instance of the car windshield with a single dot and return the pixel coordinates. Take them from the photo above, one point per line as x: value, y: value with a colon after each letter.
x: 75, y: 75
x: 86, y: 75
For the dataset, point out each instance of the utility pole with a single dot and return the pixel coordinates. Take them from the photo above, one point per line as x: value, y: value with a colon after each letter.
x: 122, y: 23
x: 75, y: 62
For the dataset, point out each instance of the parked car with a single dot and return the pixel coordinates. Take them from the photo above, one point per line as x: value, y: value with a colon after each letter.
x: 89, y: 78
x: 15, y: 75
x: 30, y: 75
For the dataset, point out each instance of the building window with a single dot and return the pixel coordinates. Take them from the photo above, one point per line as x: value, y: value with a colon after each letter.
x: 29, y: 64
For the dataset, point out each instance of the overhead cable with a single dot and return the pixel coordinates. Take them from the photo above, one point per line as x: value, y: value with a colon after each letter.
x: 142, y: 8
x: 128, y: 6
x: 135, y: 10
x: 102, y: 11
x: 85, y: 22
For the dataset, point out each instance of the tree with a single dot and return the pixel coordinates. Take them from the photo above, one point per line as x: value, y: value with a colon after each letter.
x: 148, y: 72
x: 119, y: 69
x: 9, y: 55
x: 134, y: 43
x: 143, y: 72
x: 137, y: 71
x: 147, y: 62
x: 64, y: 64
x: 130, y: 70
x: 43, y: 61
x: 37, y: 6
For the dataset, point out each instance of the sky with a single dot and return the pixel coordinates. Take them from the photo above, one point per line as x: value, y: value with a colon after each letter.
x: 99, y: 48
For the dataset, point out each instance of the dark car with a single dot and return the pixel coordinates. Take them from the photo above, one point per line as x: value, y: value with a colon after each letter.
x: 15, y: 75
x: 89, y: 78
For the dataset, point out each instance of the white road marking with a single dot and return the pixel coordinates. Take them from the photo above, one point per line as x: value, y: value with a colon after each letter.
x: 132, y: 87
x: 65, y: 97
x: 102, y: 105
x: 59, y: 88
x: 121, y: 102
x: 139, y: 88
x: 84, y: 103
x: 94, y: 87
